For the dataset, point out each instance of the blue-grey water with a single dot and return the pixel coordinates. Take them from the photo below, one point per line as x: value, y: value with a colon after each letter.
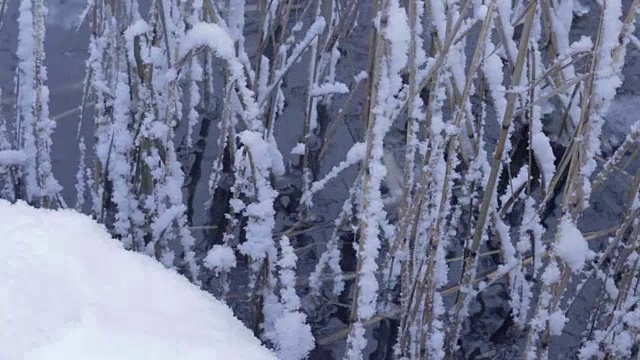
x: 66, y: 53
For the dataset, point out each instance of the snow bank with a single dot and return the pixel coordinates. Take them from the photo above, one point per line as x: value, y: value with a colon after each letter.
x: 68, y: 291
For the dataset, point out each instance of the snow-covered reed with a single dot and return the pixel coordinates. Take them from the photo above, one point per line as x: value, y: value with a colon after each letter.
x: 499, y: 158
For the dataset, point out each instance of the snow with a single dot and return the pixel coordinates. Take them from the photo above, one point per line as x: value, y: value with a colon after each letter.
x: 220, y: 258
x: 260, y: 213
x: 32, y: 104
x: 572, y: 247
x: 291, y: 334
x: 583, y: 45
x: 12, y: 157
x: 373, y: 216
x: 211, y: 35
x: 362, y: 75
x: 544, y: 157
x: 481, y: 12
x: 293, y: 344
x: 329, y: 88
x: 394, y: 180
x: 299, y: 149
x: 102, y: 302
x: 557, y: 320
x: 263, y: 152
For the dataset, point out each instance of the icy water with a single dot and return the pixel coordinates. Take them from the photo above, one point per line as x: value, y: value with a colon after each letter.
x: 66, y: 53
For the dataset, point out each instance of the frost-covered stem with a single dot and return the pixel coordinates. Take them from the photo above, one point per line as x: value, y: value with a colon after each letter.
x: 81, y: 185
x: 427, y: 273
x: 8, y: 172
x: 530, y: 230
x: 463, y: 300
x: 290, y: 333
x: 391, y: 51
x: 192, y: 11
x: 599, y: 91
x: 331, y: 256
x: 630, y: 141
x: 34, y: 124
x: 368, y: 243
x: 311, y: 111
x: 253, y: 166
x: 621, y: 323
x: 417, y: 58
x: 114, y: 202
x: 223, y: 167
x: 558, y: 18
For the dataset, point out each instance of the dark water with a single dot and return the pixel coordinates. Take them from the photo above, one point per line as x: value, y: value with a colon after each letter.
x: 66, y: 53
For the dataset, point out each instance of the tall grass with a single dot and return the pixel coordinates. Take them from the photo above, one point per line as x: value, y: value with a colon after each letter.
x: 501, y: 117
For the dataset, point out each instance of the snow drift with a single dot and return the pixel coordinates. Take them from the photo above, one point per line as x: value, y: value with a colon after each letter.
x: 69, y: 291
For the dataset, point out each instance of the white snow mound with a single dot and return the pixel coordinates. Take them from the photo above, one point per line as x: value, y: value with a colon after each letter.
x: 69, y: 291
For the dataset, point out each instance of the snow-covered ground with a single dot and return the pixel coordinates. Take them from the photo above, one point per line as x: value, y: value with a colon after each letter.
x: 69, y: 291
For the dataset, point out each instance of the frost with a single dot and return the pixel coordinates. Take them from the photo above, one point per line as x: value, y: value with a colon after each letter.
x: 589, y: 351
x: 277, y: 162
x: 32, y: 106
x: 265, y: 154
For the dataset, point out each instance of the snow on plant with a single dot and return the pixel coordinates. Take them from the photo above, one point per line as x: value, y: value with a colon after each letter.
x: 459, y: 72
x: 290, y: 333
x: 482, y: 174
x: 9, y: 159
x: 330, y: 258
x: 139, y: 179
x: 32, y: 108
x: 604, y: 85
x: 571, y: 247
x: 81, y: 185
x: 424, y: 264
x: 354, y: 155
x: 393, y: 47
x: 220, y: 258
x: 259, y: 212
